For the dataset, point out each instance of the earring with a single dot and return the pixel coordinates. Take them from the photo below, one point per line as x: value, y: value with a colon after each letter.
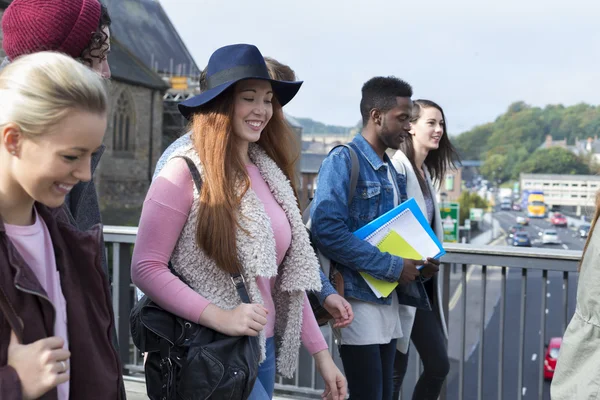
x: 14, y: 153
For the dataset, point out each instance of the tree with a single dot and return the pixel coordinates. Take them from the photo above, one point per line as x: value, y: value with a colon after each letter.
x: 468, y: 200
x: 495, y: 168
x: 554, y: 160
x: 525, y: 127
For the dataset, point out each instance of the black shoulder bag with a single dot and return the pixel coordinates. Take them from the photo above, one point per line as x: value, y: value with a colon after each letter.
x: 189, y: 361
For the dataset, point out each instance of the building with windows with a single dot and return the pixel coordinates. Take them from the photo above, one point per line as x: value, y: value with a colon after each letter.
x: 572, y: 191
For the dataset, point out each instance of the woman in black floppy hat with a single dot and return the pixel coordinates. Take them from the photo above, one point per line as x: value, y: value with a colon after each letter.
x: 245, y: 219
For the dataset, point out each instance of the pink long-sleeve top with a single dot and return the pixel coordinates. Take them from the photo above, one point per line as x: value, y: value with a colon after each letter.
x: 165, y: 212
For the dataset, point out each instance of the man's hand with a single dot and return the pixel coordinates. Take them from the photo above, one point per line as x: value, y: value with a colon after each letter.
x: 410, y: 271
x: 339, y: 309
x: 430, y: 268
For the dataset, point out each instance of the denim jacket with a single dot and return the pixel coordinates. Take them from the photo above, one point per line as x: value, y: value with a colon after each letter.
x: 333, y: 223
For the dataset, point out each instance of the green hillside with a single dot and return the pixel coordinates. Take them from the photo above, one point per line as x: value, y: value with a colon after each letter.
x: 510, y: 144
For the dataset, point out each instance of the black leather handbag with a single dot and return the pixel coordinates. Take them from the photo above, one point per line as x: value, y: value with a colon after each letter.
x: 187, y: 361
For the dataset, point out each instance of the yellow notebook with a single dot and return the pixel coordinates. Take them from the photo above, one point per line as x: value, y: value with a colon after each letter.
x: 394, y: 244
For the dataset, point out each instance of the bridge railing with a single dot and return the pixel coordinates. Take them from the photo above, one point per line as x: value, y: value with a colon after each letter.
x: 496, y: 277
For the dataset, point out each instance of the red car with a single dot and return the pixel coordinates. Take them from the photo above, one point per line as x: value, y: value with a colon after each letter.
x: 558, y: 220
x: 551, y: 356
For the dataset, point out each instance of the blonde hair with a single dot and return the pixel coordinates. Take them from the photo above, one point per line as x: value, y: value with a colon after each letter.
x: 37, y: 91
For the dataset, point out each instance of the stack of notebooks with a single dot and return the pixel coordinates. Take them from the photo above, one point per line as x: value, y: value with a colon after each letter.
x: 403, y: 232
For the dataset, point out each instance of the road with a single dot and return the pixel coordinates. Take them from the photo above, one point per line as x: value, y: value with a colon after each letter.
x: 555, y: 323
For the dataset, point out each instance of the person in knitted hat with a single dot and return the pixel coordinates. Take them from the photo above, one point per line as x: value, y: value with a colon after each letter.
x: 78, y: 28
x: 81, y: 30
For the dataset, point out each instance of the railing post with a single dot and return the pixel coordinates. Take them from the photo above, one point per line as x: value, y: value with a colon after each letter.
x: 463, y: 334
x: 542, y: 335
x: 446, y: 308
x: 122, y: 297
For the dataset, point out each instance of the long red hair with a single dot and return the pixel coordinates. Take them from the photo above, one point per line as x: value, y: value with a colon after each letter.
x: 224, y: 171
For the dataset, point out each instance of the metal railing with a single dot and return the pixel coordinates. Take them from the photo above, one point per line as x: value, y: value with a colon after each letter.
x: 525, y: 266
x: 482, y: 272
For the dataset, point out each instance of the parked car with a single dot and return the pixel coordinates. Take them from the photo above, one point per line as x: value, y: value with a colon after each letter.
x: 516, y: 207
x: 558, y: 219
x: 552, y: 351
x: 550, y: 236
x: 521, y: 239
x: 584, y: 230
x: 522, y: 220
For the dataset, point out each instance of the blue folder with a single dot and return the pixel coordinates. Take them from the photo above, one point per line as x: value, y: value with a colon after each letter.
x: 410, y: 204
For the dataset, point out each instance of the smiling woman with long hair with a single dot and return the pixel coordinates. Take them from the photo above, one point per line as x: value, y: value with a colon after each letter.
x: 424, y: 158
x: 244, y: 220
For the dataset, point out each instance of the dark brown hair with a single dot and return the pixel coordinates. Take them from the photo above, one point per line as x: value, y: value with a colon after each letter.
x: 279, y: 71
x: 99, y: 39
x: 438, y: 160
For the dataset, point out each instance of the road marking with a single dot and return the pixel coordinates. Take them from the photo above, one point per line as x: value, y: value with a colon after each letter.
x: 565, y: 247
x: 546, y: 311
x: 548, y: 294
x: 533, y: 357
x: 459, y: 289
x: 524, y: 391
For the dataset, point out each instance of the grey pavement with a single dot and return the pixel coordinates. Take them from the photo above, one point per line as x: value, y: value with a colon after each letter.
x: 137, y: 391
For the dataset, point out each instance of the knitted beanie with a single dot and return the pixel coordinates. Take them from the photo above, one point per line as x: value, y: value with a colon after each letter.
x: 66, y: 26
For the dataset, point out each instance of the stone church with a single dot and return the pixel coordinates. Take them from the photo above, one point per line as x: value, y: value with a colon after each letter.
x: 147, y: 57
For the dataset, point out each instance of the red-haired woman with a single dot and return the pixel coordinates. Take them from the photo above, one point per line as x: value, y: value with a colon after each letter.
x: 246, y: 219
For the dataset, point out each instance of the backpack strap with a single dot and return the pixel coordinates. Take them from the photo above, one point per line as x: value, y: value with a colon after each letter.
x: 354, y: 169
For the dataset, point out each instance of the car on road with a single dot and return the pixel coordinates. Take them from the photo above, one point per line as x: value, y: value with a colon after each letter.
x: 552, y: 351
x: 584, y: 230
x: 558, y: 220
x: 505, y: 206
x: 521, y: 239
x: 516, y: 207
x: 513, y: 229
x: 550, y: 236
x: 522, y: 220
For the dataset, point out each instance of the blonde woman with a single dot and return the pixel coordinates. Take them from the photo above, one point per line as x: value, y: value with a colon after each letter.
x: 56, y: 315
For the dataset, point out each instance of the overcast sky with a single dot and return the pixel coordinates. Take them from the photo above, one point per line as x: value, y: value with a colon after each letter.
x: 473, y: 57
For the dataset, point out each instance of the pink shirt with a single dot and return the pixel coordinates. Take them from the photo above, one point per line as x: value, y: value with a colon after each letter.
x: 35, y: 246
x: 166, y: 209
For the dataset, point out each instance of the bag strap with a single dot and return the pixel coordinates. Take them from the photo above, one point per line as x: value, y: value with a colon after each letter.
x: 236, y: 278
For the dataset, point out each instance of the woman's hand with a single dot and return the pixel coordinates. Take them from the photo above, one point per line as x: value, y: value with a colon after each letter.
x: 336, y: 386
x: 41, y: 365
x: 244, y: 320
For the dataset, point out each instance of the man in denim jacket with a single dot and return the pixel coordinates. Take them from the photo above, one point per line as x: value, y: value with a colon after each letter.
x: 370, y: 340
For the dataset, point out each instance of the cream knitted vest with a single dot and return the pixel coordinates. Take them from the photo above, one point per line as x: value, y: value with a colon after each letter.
x: 298, y: 272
